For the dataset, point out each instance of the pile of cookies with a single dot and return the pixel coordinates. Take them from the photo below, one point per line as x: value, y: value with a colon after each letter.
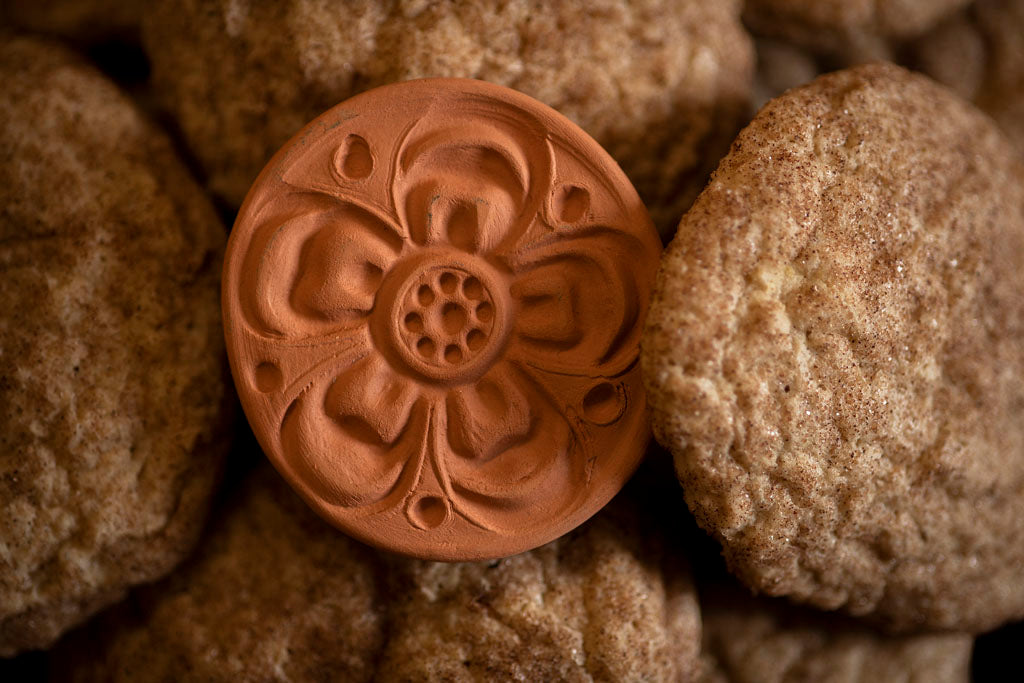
x: 833, y: 355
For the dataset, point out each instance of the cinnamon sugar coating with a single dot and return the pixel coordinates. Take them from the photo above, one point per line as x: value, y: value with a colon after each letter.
x: 112, y: 370
x: 759, y: 640
x: 662, y: 85
x: 277, y: 594
x: 834, y: 354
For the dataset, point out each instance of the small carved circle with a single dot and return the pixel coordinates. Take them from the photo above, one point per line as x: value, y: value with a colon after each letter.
x: 473, y: 289
x: 427, y: 512
x: 453, y: 354
x: 484, y: 312
x: 448, y: 281
x: 453, y: 317
x: 414, y: 322
x: 268, y: 377
x: 354, y: 159
x: 571, y: 203
x: 425, y: 295
x: 604, y: 403
x: 425, y: 347
x: 475, y: 340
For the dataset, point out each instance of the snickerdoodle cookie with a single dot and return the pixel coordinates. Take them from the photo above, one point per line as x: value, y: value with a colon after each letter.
x: 765, y: 640
x: 854, y: 30
x: 661, y: 84
x: 980, y: 54
x: 77, y: 20
x: 834, y: 354
x: 275, y: 593
x: 112, y: 368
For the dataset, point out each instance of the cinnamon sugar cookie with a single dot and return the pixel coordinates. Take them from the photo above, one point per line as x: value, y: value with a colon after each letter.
x: 112, y: 369
x: 834, y: 354
x: 762, y: 640
x: 276, y: 593
x: 856, y: 30
x: 661, y: 84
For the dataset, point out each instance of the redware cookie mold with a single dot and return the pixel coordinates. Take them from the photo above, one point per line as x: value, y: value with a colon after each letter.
x: 433, y: 296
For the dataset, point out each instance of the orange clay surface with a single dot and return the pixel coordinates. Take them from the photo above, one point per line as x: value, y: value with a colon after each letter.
x: 433, y: 297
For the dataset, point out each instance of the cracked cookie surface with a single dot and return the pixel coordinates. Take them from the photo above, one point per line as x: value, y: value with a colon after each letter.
x: 112, y: 369
x: 762, y: 640
x: 662, y: 85
x: 603, y: 603
x: 833, y: 354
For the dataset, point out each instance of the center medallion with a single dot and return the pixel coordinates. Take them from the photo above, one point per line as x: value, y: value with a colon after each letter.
x: 446, y: 318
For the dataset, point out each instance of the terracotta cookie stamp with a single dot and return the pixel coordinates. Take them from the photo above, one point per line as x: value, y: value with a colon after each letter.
x: 433, y: 297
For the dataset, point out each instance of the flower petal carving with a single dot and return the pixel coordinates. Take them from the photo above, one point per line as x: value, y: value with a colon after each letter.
x: 489, y: 416
x: 471, y: 215
x: 525, y: 479
x: 475, y: 182
x: 371, y: 401
x: 580, y: 308
x: 309, y: 273
x: 346, y: 471
x: 432, y: 301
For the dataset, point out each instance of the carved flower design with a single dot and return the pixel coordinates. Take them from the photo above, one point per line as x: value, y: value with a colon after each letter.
x: 439, y: 318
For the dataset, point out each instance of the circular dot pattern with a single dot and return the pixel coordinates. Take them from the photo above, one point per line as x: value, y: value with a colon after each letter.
x: 447, y: 317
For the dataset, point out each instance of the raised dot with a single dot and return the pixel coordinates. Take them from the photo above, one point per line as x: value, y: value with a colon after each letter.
x: 453, y: 354
x: 426, y: 348
x: 603, y: 403
x: 473, y: 289
x: 428, y: 512
x: 449, y: 282
x: 413, y: 322
x: 475, y: 340
x: 571, y: 203
x: 268, y: 377
x: 354, y: 158
x: 453, y: 317
x: 425, y: 295
x: 484, y: 312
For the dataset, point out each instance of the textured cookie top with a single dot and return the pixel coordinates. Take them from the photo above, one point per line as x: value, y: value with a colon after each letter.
x: 661, y: 84
x: 112, y: 371
x: 277, y: 594
x: 751, y: 640
x: 834, y: 353
x: 413, y: 327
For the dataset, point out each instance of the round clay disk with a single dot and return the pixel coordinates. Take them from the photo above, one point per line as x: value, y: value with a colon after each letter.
x: 432, y: 300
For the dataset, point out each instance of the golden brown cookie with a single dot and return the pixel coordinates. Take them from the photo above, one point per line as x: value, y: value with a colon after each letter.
x: 661, y: 84
x: 980, y: 54
x: 853, y: 30
x: 833, y: 354
x: 760, y: 640
x: 275, y: 593
x: 76, y: 20
x: 112, y: 375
